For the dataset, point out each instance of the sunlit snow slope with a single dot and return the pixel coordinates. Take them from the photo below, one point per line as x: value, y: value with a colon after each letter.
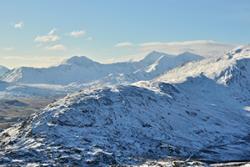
x: 202, y: 114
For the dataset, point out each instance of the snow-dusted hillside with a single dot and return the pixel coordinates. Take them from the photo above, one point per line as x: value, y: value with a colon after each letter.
x: 83, y: 70
x: 3, y: 70
x: 128, y: 125
x: 3, y: 85
x: 194, y: 117
x: 232, y: 70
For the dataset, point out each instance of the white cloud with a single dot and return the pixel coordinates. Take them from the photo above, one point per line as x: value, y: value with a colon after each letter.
x: 57, y: 47
x: 207, y: 48
x: 50, y: 37
x: 124, y: 44
x: 178, y: 43
x: 52, y: 31
x: 13, y: 61
x: 19, y: 25
x: 77, y: 34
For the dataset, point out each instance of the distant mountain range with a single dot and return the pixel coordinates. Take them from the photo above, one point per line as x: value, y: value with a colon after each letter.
x: 199, y: 110
x: 84, y: 70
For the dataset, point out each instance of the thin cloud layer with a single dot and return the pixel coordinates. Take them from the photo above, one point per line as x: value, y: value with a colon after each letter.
x: 124, y: 44
x: 57, y: 47
x: 19, y: 25
x: 206, y: 48
x: 50, y: 37
x: 77, y: 34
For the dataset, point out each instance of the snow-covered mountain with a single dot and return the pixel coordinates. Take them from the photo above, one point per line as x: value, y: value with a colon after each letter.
x: 83, y: 70
x: 3, y: 70
x: 232, y: 71
x: 3, y: 85
x: 188, y: 113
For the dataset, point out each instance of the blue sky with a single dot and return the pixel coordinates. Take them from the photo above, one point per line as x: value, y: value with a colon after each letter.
x: 94, y: 28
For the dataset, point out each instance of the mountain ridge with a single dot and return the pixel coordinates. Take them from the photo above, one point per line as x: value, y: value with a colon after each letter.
x: 3, y: 70
x: 115, y: 125
x: 82, y: 69
x: 195, y: 118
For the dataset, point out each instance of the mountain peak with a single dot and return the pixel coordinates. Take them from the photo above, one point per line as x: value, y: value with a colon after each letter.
x: 239, y: 52
x: 3, y: 70
x: 190, y: 55
x: 80, y: 61
x: 152, y: 57
x: 155, y: 53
